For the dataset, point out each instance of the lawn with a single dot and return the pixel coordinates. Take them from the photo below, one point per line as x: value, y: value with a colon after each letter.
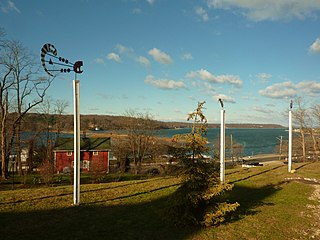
x: 271, y: 207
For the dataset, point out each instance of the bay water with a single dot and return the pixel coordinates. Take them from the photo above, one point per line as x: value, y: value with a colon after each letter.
x: 254, y: 140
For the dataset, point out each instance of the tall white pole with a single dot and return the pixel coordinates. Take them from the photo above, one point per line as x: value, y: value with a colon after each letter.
x: 76, y: 160
x: 290, y: 142
x: 222, y: 146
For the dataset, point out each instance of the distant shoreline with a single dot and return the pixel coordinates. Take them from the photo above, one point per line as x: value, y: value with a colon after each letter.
x: 35, y: 122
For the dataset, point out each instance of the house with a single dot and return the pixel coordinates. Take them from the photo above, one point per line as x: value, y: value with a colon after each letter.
x: 94, y: 154
x: 13, y: 165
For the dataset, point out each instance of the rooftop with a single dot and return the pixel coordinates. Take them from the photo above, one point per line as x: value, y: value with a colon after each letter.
x: 88, y: 144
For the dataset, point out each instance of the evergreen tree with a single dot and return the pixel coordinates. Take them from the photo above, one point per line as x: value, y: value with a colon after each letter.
x: 199, y: 198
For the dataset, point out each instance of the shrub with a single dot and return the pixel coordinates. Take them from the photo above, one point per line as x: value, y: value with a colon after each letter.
x: 198, y: 201
x: 46, y: 171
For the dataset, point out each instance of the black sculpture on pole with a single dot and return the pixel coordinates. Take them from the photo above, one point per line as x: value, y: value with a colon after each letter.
x: 57, y: 65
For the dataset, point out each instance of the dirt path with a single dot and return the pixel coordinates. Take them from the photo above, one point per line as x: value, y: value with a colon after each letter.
x: 314, y: 231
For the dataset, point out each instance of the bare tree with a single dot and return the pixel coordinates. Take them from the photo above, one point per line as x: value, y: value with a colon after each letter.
x: 140, y: 129
x: 122, y: 153
x: 300, y: 116
x: 60, y: 108
x: 5, y: 84
x: 49, y: 119
x: 21, y: 90
x: 238, y: 149
x: 315, y: 112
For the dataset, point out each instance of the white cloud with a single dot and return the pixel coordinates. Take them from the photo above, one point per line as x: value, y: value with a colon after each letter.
x: 280, y: 90
x: 160, y: 57
x: 151, y: 2
x: 315, y: 47
x: 262, y: 110
x: 225, y: 98
x: 10, y: 6
x: 204, y: 87
x: 264, y: 77
x: 99, y: 61
x: 260, y: 10
x: 124, y: 52
x: 202, y: 13
x: 137, y: 11
x: 209, y: 87
x: 311, y: 88
x: 123, y: 49
x: 207, y: 76
x: 164, y: 83
x: 13, y: 7
x: 187, y: 56
x: 143, y: 60
x: 114, y: 57
x: 289, y: 89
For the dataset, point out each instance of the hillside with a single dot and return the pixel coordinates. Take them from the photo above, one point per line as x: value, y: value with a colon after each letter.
x: 40, y: 122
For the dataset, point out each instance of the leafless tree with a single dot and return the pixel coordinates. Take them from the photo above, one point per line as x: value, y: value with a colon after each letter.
x: 234, y: 149
x: 21, y: 89
x: 121, y: 150
x: 141, y: 128
x: 300, y: 117
x: 238, y: 149
x: 60, y: 108
x: 5, y: 84
x: 315, y: 112
x: 306, y: 118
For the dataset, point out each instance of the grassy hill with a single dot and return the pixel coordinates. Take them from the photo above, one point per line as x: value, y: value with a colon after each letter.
x: 271, y: 207
x: 44, y: 122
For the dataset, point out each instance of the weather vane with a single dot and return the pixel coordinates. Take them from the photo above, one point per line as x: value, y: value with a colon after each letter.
x: 221, y: 102
x: 57, y: 64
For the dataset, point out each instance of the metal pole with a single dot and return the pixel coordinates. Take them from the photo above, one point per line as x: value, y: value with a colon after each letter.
x: 231, y: 148
x: 76, y: 160
x: 13, y: 169
x: 280, y: 148
x: 222, y: 146
x: 290, y: 142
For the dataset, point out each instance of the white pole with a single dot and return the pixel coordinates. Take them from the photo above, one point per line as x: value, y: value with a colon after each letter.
x: 290, y: 142
x: 76, y: 160
x: 222, y: 146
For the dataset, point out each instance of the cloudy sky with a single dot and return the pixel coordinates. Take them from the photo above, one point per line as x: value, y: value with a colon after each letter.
x: 163, y: 56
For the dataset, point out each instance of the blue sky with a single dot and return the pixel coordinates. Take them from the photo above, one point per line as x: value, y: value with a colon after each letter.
x: 163, y: 56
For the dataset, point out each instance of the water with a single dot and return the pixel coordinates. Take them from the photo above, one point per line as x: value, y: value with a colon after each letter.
x: 255, y: 141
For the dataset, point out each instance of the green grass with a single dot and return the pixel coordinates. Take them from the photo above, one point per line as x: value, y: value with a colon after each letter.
x: 270, y: 208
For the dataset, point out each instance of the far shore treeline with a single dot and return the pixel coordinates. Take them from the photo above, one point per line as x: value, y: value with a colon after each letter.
x: 43, y: 122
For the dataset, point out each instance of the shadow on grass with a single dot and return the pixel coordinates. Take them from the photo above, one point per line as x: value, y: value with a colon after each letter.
x: 256, y: 174
x: 86, y: 191
x: 127, y: 221
x: 135, y: 194
x: 250, y: 199
x: 306, y: 164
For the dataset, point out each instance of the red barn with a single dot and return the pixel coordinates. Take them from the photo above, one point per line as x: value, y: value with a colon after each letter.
x: 94, y: 154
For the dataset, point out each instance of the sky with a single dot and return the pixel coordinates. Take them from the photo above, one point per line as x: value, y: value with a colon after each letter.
x: 162, y: 57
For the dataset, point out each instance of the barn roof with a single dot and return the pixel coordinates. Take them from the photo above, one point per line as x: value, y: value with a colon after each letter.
x: 87, y: 144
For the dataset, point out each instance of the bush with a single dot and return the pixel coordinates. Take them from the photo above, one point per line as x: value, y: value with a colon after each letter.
x: 198, y: 201
x: 46, y: 171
